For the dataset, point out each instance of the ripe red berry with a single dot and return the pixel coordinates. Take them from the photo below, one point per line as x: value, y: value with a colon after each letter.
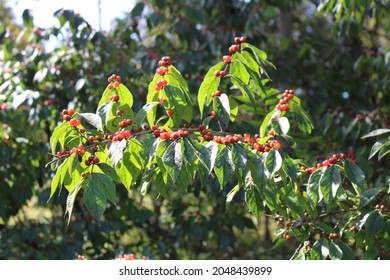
x: 237, y: 40
x: 201, y: 127
x: 74, y: 122
x: 70, y: 112
x: 287, y: 237
x: 242, y: 39
x: 170, y: 112
x: 95, y: 160
x: 66, y: 117
x: 227, y: 58
x: 222, y: 73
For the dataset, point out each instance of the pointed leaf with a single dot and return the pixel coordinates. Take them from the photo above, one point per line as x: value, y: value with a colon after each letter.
x: 143, y: 112
x: 72, y: 197
x: 273, y: 162
x: 222, y: 108
x: 376, y: 132
x: 173, y: 159
x: 374, y: 223
x: 93, y: 120
x: 355, y: 175
x: 106, y: 184
x: 95, y: 200
x: 109, y: 171
x: 330, y: 182
x: 115, y: 152
x: 254, y: 201
x: 335, y: 252
x: 209, y: 86
x: 368, y: 196
x: 224, y: 165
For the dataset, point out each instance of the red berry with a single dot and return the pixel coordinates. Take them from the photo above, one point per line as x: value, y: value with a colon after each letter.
x: 242, y: 39
x: 227, y: 58
x: 201, y: 127
x: 66, y: 117
x: 74, y: 122
x: 287, y: 237
x: 217, y: 73
x: 95, y: 160
x: 237, y: 40
x: 70, y: 112
x: 170, y: 112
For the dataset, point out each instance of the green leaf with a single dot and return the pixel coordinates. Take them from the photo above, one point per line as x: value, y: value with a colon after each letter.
x: 224, y: 165
x: 254, y: 201
x: 104, y: 111
x: 348, y: 253
x: 384, y: 150
x: 56, y: 181
x: 93, y: 119
x: 374, y: 222
x: 222, y: 108
x: 173, y: 159
x: 95, y: 200
x: 106, y: 184
x: 239, y: 156
x: 335, y: 252
x: 330, y: 182
x: 115, y: 152
x: 233, y: 109
x: 368, y: 196
x: 313, y: 187
x: 303, y: 120
x: 176, y: 100
x: 293, y: 204
x: 322, y: 247
x: 238, y: 69
x: 246, y: 90
x: 283, y: 124
x: 59, y: 135
x: 370, y: 254
x: 109, y: 171
x: 273, y: 162
x: 209, y: 86
x: 289, y: 167
x: 355, y: 175
x: 376, y: 132
x: 129, y: 168
x: 376, y: 147
x: 72, y: 197
x: 324, y: 227
x: 143, y: 112
x: 189, y: 151
x: 230, y: 195
x: 266, y: 123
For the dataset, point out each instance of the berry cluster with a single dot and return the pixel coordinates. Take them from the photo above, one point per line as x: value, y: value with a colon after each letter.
x: 92, y: 159
x: 220, y: 73
x: 80, y: 150
x: 125, y: 122
x: 333, y: 235
x: 120, y: 135
x: 161, y: 71
x: 331, y: 160
x: 229, y: 139
x: 114, y: 81
x: 114, y: 97
x: 206, y: 134
x: 236, y: 47
x: 67, y: 114
x: 165, y: 61
x: 161, y: 84
x: 287, y: 95
x: 271, y: 143
x: 166, y: 135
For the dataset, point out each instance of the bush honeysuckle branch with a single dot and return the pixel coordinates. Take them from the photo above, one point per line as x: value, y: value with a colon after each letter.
x: 161, y: 150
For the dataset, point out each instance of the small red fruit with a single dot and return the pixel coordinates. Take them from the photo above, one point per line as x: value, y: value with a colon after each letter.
x: 170, y: 112
x: 74, y: 122
x: 242, y: 39
x: 227, y: 58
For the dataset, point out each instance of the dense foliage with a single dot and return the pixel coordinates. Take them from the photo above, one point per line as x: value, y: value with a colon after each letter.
x: 176, y: 155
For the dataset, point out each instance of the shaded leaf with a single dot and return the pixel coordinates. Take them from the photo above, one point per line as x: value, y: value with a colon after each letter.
x: 94, y: 199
